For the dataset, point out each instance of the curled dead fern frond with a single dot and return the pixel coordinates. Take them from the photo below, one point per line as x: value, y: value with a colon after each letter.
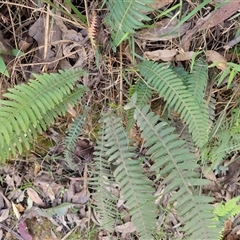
x: 93, y: 29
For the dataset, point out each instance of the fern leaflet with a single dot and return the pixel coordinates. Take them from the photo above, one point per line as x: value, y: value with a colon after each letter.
x: 71, y: 139
x: 143, y: 95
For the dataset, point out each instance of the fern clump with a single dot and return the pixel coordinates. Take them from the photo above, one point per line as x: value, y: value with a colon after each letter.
x: 30, y: 108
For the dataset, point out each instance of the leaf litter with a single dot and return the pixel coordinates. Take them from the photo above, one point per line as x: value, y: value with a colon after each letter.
x: 40, y: 188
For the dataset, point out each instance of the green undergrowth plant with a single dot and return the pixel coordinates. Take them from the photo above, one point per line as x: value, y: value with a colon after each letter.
x: 117, y: 171
x: 28, y: 109
x: 224, y: 211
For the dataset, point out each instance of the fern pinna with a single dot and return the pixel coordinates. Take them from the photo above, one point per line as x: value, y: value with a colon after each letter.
x: 170, y: 86
x: 135, y: 188
x: 175, y: 165
x: 71, y: 139
x: 31, y: 108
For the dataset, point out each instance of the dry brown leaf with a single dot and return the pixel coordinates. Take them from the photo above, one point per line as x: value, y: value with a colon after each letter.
x: 81, y: 197
x: 44, y: 182
x: 4, y: 214
x: 164, y: 55
x: 221, y: 14
x: 214, y: 56
x: 35, y: 197
x: 184, y: 56
x: 15, y: 210
x: 209, y: 174
x: 126, y: 228
x: 160, y: 3
x: 20, y: 207
x: 37, y: 169
x: 9, y: 181
x: 211, y: 20
x: 163, y: 31
x: 71, y: 111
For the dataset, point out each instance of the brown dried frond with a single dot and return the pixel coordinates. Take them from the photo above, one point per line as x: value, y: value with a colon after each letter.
x: 93, y: 29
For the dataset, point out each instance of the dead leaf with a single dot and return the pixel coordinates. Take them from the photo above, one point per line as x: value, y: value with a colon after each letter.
x: 15, y: 210
x: 81, y: 197
x: 23, y: 230
x: 211, y: 20
x: 164, y: 55
x: 35, y: 197
x: 209, y: 174
x: 20, y: 207
x: 126, y: 228
x: 162, y: 31
x: 4, y: 214
x: 221, y: 14
x: 214, y: 56
x: 9, y: 181
x: 184, y: 56
x: 37, y: 169
x: 157, y: 4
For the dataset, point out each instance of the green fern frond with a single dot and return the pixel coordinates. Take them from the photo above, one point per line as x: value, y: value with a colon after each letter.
x: 181, y: 73
x: 224, y: 211
x: 170, y: 86
x: 135, y: 188
x: 174, y: 163
x: 103, y: 183
x: 71, y: 139
x: 143, y: 95
x: 125, y: 17
x: 197, y: 81
x: 228, y: 209
x: 32, y: 108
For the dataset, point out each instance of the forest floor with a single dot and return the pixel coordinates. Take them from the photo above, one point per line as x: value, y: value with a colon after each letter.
x: 40, y: 197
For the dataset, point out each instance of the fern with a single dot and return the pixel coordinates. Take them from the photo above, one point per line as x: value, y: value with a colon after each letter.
x: 197, y: 82
x: 224, y: 211
x: 143, y: 95
x: 125, y: 17
x: 135, y: 189
x: 174, y: 91
x: 102, y: 183
x: 32, y: 108
x: 71, y: 139
x: 176, y: 164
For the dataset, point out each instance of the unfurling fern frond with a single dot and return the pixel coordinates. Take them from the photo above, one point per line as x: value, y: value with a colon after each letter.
x: 125, y: 17
x: 135, y: 188
x: 170, y: 86
x: 32, y: 108
x: 174, y: 163
x: 71, y: 139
